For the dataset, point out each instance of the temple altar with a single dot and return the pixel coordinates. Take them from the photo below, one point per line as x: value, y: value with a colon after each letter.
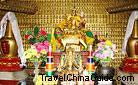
x: 41, y: 40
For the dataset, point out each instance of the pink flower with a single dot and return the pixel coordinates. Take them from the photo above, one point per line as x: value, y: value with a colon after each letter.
x: 46, y: 49
x: 41, y: 46
x: 46, y: 43
x: 36, y: 44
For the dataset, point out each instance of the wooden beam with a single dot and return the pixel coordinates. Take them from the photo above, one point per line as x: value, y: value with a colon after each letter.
x: 26, y: 7
x: 130, y: 7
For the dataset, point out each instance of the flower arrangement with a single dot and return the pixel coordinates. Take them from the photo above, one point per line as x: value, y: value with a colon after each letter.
x: 39, y: 44
x: 104, y: 52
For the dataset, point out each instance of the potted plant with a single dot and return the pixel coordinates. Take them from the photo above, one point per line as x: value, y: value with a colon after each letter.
x: 103, y: 54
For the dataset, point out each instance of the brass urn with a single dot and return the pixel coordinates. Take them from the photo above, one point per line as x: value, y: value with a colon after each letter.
x: 8, y: 45
x: 132, y: 45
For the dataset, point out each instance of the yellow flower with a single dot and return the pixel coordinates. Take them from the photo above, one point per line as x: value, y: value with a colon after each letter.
x: 30, y: 53
x: 108, y: 42
x: 43, y: 51
x: 34, y: 51
x: 38, y: 55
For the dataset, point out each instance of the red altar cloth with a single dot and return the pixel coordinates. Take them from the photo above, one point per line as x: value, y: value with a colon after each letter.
x: 130, y: 65
x: 10, y: 64
x: 8, y: 82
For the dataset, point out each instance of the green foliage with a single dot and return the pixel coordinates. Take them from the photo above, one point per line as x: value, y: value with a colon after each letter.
x: 32, y: 40
x: 56, y: 36
x: 29, y: 32
x: 41, y: 38
x: 36, y: 31
x: 49, y: 37
x: 96, y: 59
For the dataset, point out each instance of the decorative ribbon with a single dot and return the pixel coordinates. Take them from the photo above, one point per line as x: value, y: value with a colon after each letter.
x: 90, y: 67
x: 49, y: 73
x: 3, y: 24
x: 49, y: 66
x: 132, y: 18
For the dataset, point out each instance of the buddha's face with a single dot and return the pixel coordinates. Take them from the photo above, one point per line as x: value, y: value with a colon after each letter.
x: 70, y: 53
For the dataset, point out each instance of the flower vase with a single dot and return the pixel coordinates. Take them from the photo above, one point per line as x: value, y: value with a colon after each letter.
x: 36, y: 65
x: 105, y: 72
x: 36, y: 70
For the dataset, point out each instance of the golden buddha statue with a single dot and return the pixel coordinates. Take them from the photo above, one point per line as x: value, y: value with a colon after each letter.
x: 69, y: 62
x: 70, y: 32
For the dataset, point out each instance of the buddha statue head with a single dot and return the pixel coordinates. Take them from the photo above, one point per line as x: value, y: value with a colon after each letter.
x: 70, y: 51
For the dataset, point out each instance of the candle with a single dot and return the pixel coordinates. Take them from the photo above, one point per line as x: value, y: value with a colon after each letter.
x: 50, y: 51
x: 90, y: 50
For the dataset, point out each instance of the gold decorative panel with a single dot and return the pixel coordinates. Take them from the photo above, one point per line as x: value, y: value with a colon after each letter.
x: 51, y: 12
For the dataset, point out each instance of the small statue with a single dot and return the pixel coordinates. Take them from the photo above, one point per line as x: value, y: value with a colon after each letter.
x: 69, y: 62
x: 70, y: 59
